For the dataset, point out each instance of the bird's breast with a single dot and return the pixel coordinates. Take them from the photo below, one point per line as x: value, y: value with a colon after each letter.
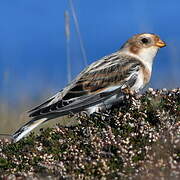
x: 146, y: 75
x: 140, y: 82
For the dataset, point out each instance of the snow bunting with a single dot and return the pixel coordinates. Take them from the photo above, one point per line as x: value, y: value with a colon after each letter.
x: 101, y: 84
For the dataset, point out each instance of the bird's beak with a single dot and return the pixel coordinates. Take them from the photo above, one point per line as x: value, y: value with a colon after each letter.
x: 160, y: 43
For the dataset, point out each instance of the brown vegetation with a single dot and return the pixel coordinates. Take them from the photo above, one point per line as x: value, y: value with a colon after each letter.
x: 139, y: 139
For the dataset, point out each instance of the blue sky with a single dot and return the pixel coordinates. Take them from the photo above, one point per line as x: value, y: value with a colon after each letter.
x: 33, y: 47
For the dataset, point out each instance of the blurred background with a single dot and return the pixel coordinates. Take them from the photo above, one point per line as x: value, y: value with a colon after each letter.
x: 33, y: 45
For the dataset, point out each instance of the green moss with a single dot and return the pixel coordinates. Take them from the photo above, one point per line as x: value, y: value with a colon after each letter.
x: 138, y: 157
x: 3, y: 163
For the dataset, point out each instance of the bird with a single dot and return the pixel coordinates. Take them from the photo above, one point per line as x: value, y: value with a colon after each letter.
x: 101, y: 84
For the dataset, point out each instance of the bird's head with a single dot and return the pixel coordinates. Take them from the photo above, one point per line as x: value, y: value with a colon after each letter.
x: 145, y: 46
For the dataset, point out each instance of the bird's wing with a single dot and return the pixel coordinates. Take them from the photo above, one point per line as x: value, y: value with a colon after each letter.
x: 91, y: 86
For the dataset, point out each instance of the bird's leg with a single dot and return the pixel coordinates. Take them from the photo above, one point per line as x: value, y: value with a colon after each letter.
x: 106, y: 109
x: 132, y: 95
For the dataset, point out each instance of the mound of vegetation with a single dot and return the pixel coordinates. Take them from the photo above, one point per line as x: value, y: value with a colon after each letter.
x: 138, y: 139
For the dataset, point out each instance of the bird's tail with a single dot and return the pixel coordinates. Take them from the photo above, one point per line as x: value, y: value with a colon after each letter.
x: 19, y: 134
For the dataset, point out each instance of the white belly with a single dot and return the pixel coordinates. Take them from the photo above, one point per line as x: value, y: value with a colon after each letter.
x: 139, y: 84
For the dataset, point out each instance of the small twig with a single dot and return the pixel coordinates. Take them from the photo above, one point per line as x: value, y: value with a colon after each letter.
x: 78, y: 32
x: 67, y: 32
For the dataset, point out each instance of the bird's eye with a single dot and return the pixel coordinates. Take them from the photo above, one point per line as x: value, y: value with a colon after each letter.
x: 144, y: 40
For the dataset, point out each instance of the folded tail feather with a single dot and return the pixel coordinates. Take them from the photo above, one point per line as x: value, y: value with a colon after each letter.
x: 19, y: 134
